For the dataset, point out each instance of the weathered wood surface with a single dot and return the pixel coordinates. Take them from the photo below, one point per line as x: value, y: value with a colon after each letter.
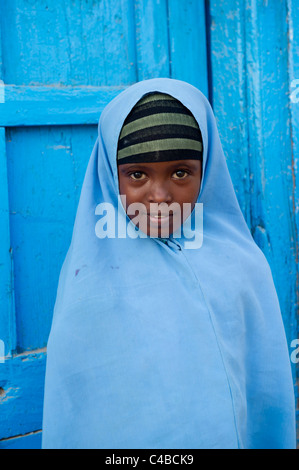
x: 251, y: 44
x: 67, y: 60
x: 54, y: 105
x: 254, y: 61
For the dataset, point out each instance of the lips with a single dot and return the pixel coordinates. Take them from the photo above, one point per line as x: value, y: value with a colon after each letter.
x: 157, y: 216
x: 159, y: 219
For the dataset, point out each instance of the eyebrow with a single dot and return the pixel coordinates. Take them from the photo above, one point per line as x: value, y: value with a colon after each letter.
x: 172, y: 164
x: 183, y: 163
x: 191, y: 164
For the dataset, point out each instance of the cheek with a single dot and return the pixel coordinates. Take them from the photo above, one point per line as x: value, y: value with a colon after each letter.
x: 195, y: 191
x: 123, y: 191
x: 121, y: 185
x: 132, y: 194
x: 189, y: 194
x: 124, y: 188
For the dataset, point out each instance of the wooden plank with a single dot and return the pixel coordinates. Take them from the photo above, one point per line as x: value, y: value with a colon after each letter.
x: 250, y: 90
x: 54, y: 105
x: 152, y: 41
x: 187, y: 38
x: 21, y: 393
x: 270, y: 152
x: 229, y: 91
x: 46, y: 167
x: 293, y: 69
x: 32, y: 440
x: 7, y: 312
x: 2, y: 97
x: 67, y: 43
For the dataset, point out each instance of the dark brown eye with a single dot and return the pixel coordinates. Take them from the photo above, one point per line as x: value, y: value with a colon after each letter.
x: 137, y: 175
x: 180, y: 174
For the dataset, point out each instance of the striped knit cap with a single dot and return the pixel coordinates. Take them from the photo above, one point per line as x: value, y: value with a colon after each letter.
x: 159, y: 129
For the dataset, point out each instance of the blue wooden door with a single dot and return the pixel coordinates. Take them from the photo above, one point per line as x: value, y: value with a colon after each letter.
x: 61, y: 62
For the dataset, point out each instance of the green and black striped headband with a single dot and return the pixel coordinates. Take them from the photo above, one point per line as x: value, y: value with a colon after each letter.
x: 159, y: 129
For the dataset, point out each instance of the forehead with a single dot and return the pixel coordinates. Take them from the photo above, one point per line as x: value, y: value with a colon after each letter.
x: 160, y: 166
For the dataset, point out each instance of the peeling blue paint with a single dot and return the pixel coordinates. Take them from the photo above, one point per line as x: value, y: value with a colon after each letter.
x: 67, y: 60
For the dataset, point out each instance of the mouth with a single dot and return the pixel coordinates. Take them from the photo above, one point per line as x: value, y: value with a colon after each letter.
x: 157, y: 216
x: 159, y: 219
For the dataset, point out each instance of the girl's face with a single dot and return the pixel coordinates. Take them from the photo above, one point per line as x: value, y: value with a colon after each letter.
x: 167, y: 192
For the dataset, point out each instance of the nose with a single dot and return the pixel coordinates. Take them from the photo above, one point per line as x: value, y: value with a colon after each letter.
x: 160, y: 192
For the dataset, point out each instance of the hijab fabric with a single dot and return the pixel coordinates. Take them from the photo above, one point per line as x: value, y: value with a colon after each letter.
x: 156, y: 345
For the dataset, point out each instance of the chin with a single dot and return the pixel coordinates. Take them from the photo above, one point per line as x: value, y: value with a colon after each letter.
x: 160, y: 231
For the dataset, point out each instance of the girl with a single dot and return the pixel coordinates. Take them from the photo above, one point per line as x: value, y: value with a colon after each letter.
x: 156, y: 341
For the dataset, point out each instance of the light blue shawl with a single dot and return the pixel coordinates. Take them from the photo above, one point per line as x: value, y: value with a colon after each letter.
x: 157, y: 346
